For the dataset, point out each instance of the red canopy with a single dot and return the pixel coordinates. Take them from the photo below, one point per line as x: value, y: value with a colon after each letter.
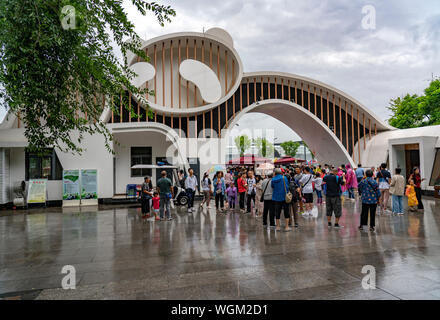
x: 248, y: 159
x: 288, y: 160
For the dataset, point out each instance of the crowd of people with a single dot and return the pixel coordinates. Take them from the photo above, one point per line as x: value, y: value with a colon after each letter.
x: 284, y: 194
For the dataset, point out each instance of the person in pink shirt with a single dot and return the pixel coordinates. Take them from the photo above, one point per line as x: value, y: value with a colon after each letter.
x: 351, y: 182
x: 156, y: 205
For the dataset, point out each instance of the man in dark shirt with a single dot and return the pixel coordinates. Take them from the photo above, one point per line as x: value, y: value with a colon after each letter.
x: 164, y: 186
x: 333, y: 196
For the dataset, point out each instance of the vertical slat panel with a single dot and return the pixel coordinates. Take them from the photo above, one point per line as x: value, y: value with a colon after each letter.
x: 288, y: 87
x: 340, y: 120
x: 155, y: 74
x: 226, y: 72
x: 195, y: 87
x: 346, y: 126
x: 369, y: 128
x: 163, y: 74
x: 261, y: 88
x: 315, y: 107
x: 120, y: 109
x: 268, y: 87
x: 203, y: 61
x: 241, y: 97
x: 282, y: 88
x: 247, y: 92
x: 276, y: 84
x: 322, y: 107
x: 171, y: 73
x: 302, y: 95
x: 212, y: 126
x: 187, y: 82
x: 180, y: 79
x: 309, y: 105
x: 363, y: 124
x: 328, y: 112
x: 334, y: 115
x: 180, y: 126
x: 219, y: 128
x: 352, y: 132
x: 129, y: 107
x: 233, y: 105
x: 204, y: 126
x: 255, y: 90
x: 296, y: 94
x: 358, y: 135
x: 218, y: 64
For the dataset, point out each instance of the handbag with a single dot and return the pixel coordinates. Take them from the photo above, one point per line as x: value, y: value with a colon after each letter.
x: 289, y: 194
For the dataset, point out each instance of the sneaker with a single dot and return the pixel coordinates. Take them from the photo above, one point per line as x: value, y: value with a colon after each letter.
x: 296, y: 225
x: 170, y: 218
x: 337, y: 226
x: 287, y: 229
x: 361, y: 228
x: 329, y: 224
x: 189, y: 210
x: 372, y: 229
x: 157, y: 219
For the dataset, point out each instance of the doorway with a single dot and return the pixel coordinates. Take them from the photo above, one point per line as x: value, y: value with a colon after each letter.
x: 412, y: 157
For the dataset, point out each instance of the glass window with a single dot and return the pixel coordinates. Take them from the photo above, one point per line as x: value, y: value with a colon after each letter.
x: 141, y: 155
x: 435, y: 176
x: 45, y: 166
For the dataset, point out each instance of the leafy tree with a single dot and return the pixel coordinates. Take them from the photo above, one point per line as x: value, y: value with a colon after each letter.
x: 265, y: 148
x: 58, y: 63
x: 413, y: 111
x: 290, y: 147
x: 242, y: 143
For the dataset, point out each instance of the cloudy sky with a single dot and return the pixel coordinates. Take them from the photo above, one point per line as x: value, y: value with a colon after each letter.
x: 324, y: 40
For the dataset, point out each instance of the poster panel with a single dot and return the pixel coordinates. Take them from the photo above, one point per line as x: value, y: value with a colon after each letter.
x: 37, y: 191
x: 89, y: 186
x: 71, y: 187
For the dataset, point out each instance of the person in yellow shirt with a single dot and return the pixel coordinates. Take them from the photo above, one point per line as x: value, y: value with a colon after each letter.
x: 411, y: 194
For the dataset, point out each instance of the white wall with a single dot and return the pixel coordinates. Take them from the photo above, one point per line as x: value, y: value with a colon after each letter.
x: 127, y: 140
x: 95, y: 156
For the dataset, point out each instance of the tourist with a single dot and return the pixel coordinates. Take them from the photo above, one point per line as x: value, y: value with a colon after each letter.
x: 360, y: 173
x: 279, y: 185
x: 268, y: 203
x: 415, y: 176
x: 294, y: 189
x: 229, y: 177
x: 412, y: 196
x: 298, y: 175
x: 181, y: 177
x: 383, y: 178
x: 373, y: 169
x: 219, y: 191
x: 370, y: 194
x: 306, y: 183
x: 156, y: 205
x: 318, y: 187
x: 333, y: 184
x: 351, y: 182
x: 164, y: 186
x: 190, y: 188
x: 206, y: 188
x: 242, y: 188
x: 146, y: 196
x: 251, y: 191
x: 397, y: 190
x: 231, y: 193
x: 259, y: 192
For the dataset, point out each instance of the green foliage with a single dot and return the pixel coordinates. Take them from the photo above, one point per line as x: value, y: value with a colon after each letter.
x: 290, y: 148
x: 413, y: 111
x: 265, y: 148
x: 56, y: 78
x: 242, y: 143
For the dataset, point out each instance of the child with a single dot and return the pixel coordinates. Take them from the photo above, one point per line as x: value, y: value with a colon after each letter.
x: 231, y: 193
x: 156, y: 205
x: 318, y: 187
x: 411, y: 194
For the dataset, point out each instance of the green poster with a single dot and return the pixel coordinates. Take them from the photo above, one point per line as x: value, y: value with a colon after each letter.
x: 71, y: 185
x: 89, y: 184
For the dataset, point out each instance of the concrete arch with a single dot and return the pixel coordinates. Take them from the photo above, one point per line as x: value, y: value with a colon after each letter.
x: 169, y: 133
x: 325, y: 144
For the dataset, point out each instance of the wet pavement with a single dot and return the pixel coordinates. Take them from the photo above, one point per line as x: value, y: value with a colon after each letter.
x: 204, y: 255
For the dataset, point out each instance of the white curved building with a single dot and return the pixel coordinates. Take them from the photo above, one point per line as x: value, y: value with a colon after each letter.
x: 201, y: 91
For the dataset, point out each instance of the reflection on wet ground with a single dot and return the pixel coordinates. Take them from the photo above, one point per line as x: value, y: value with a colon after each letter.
x: 204, y: 255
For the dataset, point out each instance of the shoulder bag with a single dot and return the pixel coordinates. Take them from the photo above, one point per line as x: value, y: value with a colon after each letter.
x: 289, y: 195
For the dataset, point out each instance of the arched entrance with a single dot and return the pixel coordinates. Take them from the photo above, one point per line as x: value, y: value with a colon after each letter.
x: 322, y: 141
